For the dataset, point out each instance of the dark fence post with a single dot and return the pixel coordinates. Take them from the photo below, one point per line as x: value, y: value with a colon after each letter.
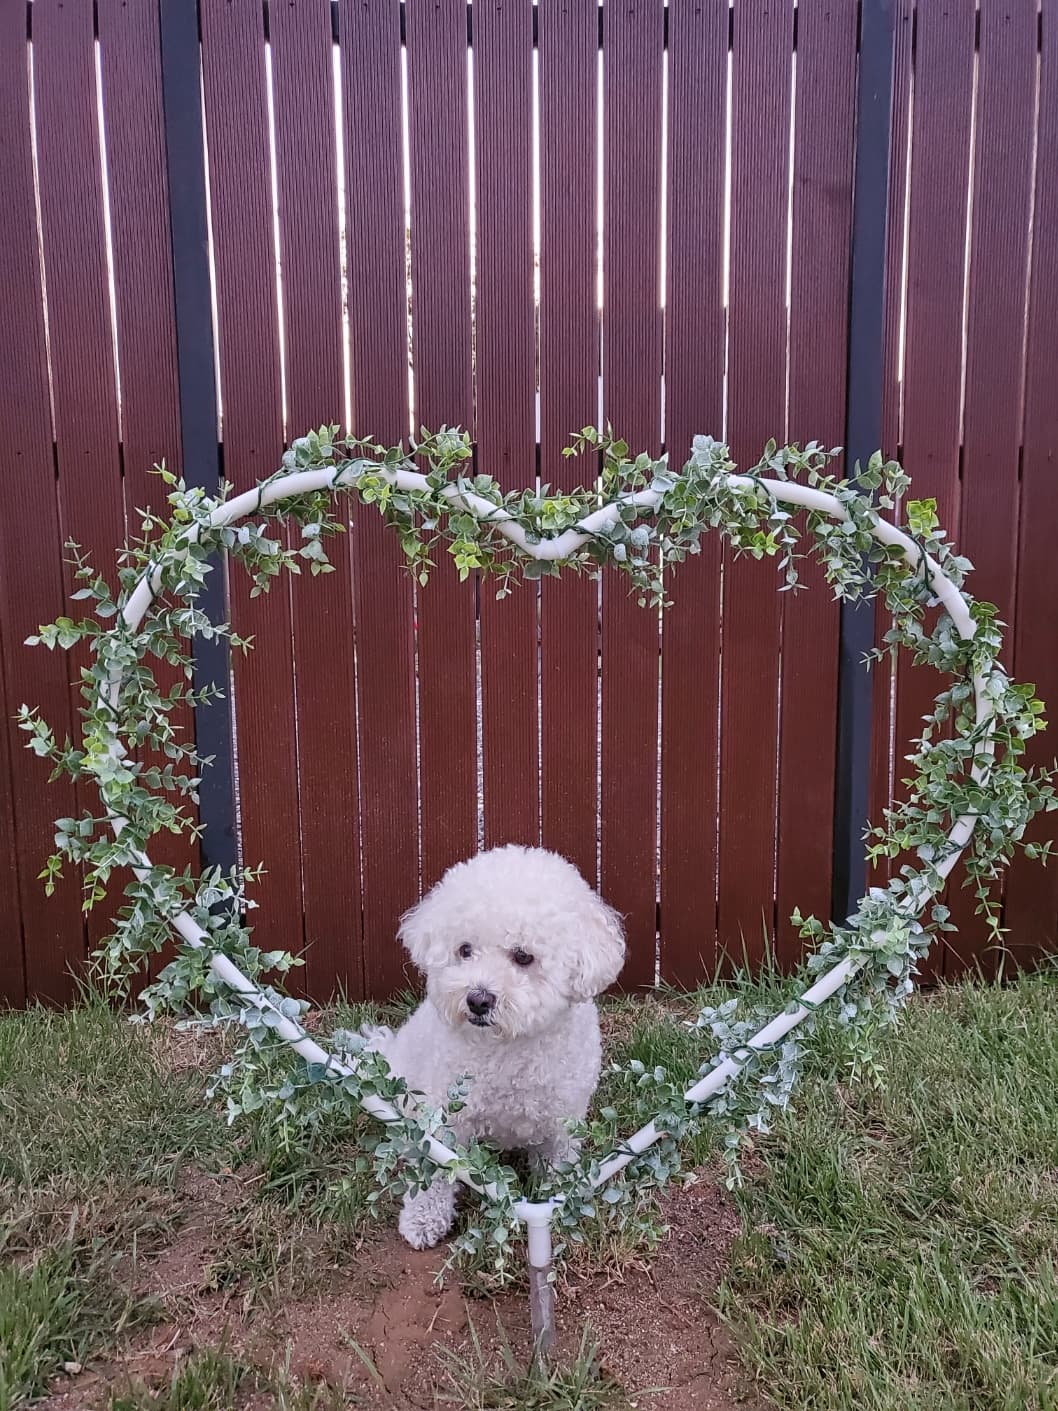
x: 186, y: 168
x: 863, y: 433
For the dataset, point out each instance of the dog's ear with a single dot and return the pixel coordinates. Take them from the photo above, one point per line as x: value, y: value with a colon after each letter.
x: 596, y: 950
x: 422, y: 934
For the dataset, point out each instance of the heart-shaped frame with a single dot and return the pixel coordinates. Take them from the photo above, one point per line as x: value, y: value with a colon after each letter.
x: 398, y: 473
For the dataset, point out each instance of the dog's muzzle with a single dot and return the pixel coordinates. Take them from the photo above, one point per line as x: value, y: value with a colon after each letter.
x: 480, y: 1004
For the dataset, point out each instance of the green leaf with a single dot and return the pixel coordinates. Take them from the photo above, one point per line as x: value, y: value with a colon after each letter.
x: 922, y: 517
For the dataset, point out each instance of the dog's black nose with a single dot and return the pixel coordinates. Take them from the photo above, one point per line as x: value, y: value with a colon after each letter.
x: 479, y: 1002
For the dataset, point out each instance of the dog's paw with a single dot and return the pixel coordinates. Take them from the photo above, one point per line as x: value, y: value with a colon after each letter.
x: 425, y: 1220
x: 376, y: 1036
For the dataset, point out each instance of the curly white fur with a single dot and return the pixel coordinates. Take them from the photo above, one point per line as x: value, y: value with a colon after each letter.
x: 514, y: 945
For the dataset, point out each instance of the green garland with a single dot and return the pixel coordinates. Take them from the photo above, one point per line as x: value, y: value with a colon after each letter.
x: 148, y: 774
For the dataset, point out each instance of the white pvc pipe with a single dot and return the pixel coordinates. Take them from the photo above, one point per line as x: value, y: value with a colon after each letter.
x: 537, y: 1215
x: 537, y: 1219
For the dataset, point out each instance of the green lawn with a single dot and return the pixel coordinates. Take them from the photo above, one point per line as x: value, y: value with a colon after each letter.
x: 899, y: 1245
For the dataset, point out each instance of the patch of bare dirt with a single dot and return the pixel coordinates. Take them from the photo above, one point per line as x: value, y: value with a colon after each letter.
x: 371, y: 1328
x: 656, y: 1328
x: 179, y: 1271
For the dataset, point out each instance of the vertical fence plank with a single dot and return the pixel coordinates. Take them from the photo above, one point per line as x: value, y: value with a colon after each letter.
x: 75, y: 260
x: 143, y: 279
x: 762, y: 58
x: 236, y: 108
x: 999, y: 252
x: 569, y: 390
x: 441, y: 331
x: 12, y: 961
x: 1031, y: 915
x: 130, y: 60
x: 892, y: 388
x: 505, y: 372
x: 632, y: 69
x: 824, y: 123
x: 995, y: 352
x: 31, y: 587
x: 369, y: 34
x: 81, y: 341
x: 306, y: 174
x: 940, y: 155
x: 900, y: 124
x: 694, y: 404
x: 940, y: 147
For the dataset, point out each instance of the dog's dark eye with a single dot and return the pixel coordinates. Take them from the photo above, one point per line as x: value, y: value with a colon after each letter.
x: 465, y: 951
x: 521, y: 957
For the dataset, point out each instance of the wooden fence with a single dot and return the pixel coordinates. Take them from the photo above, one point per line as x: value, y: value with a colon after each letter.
x: 518, y: 218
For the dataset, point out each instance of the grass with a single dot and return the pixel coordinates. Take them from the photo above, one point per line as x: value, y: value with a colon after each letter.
x: 901, y: 1243
x: 93, y: 1135
x: 213, y: 1380
x: 899, y: 1250
x: 59, y: 1071
x: 208, y: 1381
x: 52, y: 1313
x: 101, y: 1125
x: 479, y: 1382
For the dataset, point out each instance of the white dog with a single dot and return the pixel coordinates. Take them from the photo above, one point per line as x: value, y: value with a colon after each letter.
x: 514, y: 945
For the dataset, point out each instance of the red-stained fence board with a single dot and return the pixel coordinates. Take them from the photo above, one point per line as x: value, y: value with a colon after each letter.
x: 12, y: 965
x: 899, y: 131
x: 75, y: 261
x: 632, y: 116
x: 80, y: 332
x: 762, y: 61
x: 1031, y: 914
x: 236, y: 108
x: 940, y: 155
x: 568, y: 40
x: 694, y: 404
x: 940, y: 146
x: 369, y: 36
x: 130, y: 61
x: 995, y: 351
x: 900, y: 121
x: 325, y: 681
x: 824, y: 123
x: 441, y: 349
x: 505, y: 371
x: 31, y: 587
